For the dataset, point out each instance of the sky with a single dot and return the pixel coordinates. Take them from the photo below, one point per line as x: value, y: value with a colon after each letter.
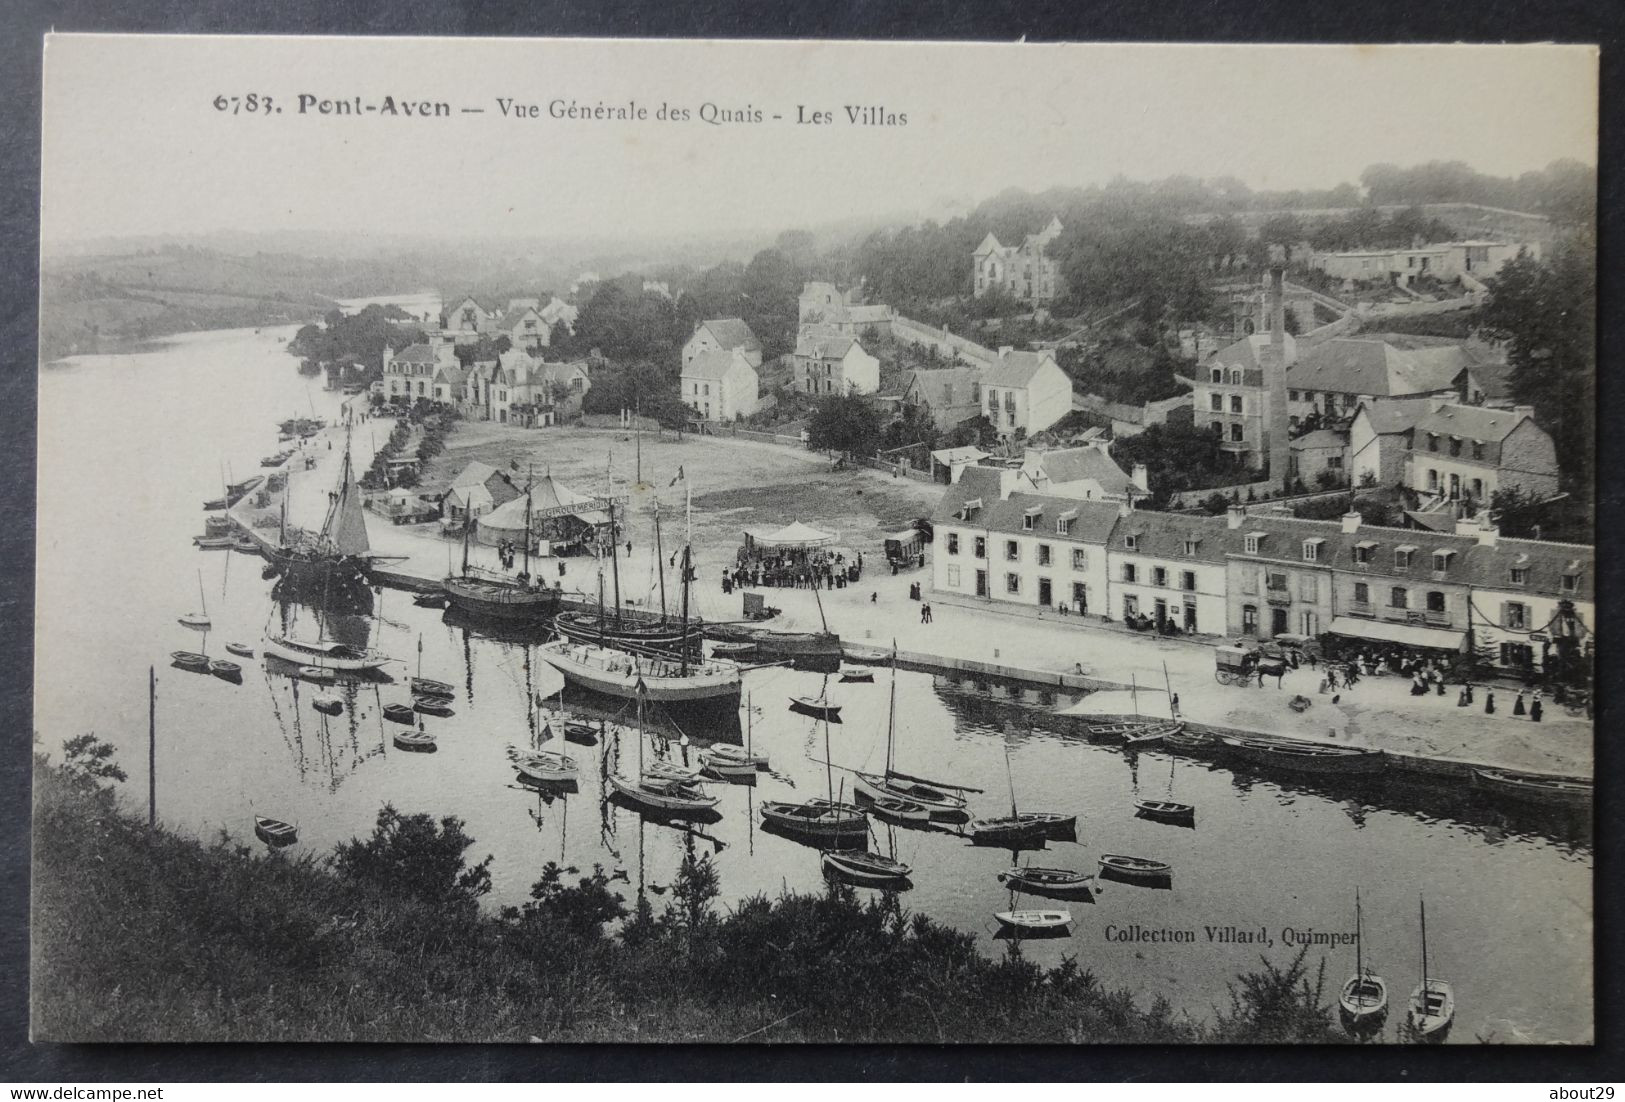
x: 134, y: 144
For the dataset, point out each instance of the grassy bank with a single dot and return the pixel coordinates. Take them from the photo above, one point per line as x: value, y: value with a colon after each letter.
x: 143, y: 934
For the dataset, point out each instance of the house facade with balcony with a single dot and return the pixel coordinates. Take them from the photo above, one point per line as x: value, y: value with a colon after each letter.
x: 1024, y: 392
x: 1278, y: 576
x: 1399, y: 585
x: 997, y: 545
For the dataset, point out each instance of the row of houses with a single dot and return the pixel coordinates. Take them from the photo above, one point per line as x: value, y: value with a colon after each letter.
x: 516, y: 388
x: 1521, y: 604
x: 526, y: 322
x: 1476, y: 260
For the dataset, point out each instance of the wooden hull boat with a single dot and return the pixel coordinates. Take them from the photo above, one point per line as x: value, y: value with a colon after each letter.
x: 632, y: 629
x: 1055, y: 883
x: 214, y: 543
x: 428, y: 686
x: 417, y: 742
x: 1008, y: 829
x: 328, y: 704
x: 321, y: 675
x: 779, y: 644
x: 670, y: 771
x: 246, y: 545
x: 616, y: 673
x: 862, y: 867
x: 547, y: 766
x: 1534, y: 788
x: 582, y: 734
x: 400, y: 713
x: 197, y: 621
x: 431, y: 600
x: 1328, y: 759
x: 501, y: 598
x: 940, y: 804
x: 1166, y: 811
x: 214, y: 505
x: 816, y: 707
x: 1135, y: 870
x: 190, y: 661
x: 432, y: 706
x: 1363, y: 1003
x: 274, y: 832
x: 732, y: 650
x: 246, y: 486
x: 1152, y: 736
x: 328, y: 654
x: 859, y: 674
x: 904, y: 812
x: 666, y: 797
x: 1189, y: 741
x: 241, y: 650
x: 226, y: 671
x: 817, y: 818
x: 724, y: 769
x: 723, y: 751
x: 1122, y: 732
x: 1432, y: 1010
x: 1033, y: 920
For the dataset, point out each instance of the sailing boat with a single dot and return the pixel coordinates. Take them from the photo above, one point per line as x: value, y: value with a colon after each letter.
x: 198, y: 620
x: 891, y: 789
x: 428, y: 686
x: 661, y: 794
x: 819, y: 707
x: 1020, y: 826
x: 1433, y: 1002
x: 859, y: 866
x: 828, y: 819
x: 1363, y: 1003
x: 339, y: 553
x: 1167, y: 811
x: 634, y: 628
x: 679, y: 681
x: 485, y: 594
x: 727, y: 763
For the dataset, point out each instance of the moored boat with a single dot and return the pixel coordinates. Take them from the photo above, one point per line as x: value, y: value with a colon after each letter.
x: 1189, y: 741
x: 417, y: 742
x: 1055, y: 883
x: 226, y: 671
x: 321, y: 675
x: 1033, y: 920
x: 326, y: 654
x: 817, y: 707
x: 214, y: 543
x: 820, y: 818
x: 1362, y: 1004
x: 328, y: 704
x: 723, y: 768
x: 1135, y: 870
x: 241, y: 650
x: 1010, y: 829
x: 275, y: 832
x: 191, y: 661
x: 1166, y: 811
x: 665, y: 681
x: 899, y: 793
x: 428, y: 686
x: 400, y: 713
x: 859, y: 674
x: 1432, y: 1007
x: 664, y: 796
x: 1153, y: 735
x: 432, y: 706
x: 1535, y: 788
x: 903, y: 812
x: 862, y: 867
x: 547, y: 766
x: 431, y: 600
x: 1321, y: 759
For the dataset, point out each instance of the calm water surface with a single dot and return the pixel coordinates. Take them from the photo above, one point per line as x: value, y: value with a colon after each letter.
x: 132, y: 444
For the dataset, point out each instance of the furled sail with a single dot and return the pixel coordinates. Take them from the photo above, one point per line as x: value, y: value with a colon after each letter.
x: 346, y: 529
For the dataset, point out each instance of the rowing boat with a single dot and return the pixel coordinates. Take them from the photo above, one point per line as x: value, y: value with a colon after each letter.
x: 1535, y: 788
x: 1135, y: 870
x: 1056, y: 883
x: 419, y: 742
x: 1034, y: 920
x: 863, y: 867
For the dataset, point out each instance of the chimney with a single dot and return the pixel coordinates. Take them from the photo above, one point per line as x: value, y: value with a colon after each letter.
x: 1480, y: 527
x: 1351, y: 523
x: 1523, y: 411
x: 1141, y: 477
x: 1274, y: 364
x: 1234, y: 516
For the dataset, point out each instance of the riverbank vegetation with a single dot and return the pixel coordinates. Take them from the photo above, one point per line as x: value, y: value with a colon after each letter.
x: 145, y: 934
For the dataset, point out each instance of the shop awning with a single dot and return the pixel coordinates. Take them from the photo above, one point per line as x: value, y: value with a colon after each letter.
x: 1410, y: 635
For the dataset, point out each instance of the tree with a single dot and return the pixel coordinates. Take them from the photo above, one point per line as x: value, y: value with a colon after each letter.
x: 1546, y: 312
x: 87, y: 761
x: 409, y: 854
x: 845, y: 423
x: 641, y: 387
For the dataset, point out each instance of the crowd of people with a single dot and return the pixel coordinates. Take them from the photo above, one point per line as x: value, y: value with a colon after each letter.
x: 815, y: 568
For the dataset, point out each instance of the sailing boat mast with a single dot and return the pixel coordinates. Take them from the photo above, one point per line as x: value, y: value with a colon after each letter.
x: 660, y: 564
x: 614, y: 540
x: 1359, y: 938
x: 687, y: 545
x: 530, y: 480
x: 1009, y: 776
x: 891, y: 718
x: 1424, y: 906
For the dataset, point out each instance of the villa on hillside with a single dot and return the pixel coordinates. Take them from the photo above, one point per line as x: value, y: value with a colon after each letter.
x: 1024, y: 272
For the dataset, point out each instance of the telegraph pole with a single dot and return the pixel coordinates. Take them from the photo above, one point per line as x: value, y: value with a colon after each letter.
x: 152, y: 746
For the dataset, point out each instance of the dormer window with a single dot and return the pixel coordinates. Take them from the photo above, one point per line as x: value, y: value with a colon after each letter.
x: 1311, y: 550
x: 1402, y: 558
x: 1520, y: 575
x: 1254, y: 542
x: 1027, y: 523
x: 1362, y: 552
x: 1191, y: 546
x: 1433, y: 441
x: 1441, y: 559
x: 1218, y: 375
x: 1571, y: 582
x: 1235, y: 377
x: 1063, y: 523
x: 1131, y: 542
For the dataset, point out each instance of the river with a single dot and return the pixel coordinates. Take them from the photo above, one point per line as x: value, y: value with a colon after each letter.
x: 144, y: 438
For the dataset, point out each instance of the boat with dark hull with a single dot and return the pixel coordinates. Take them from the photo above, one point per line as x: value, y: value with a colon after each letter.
x: 1052, y: 883
x: 1545, y: 790
x: 486, y: 595
x: 335, y: 558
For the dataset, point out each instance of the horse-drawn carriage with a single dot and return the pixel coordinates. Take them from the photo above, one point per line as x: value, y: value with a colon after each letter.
x: 1236, y: 665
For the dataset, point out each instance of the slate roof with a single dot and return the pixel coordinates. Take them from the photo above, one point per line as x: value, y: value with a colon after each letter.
x: 822, y: 346
x: 713, y: 365
x: 1075, y: 464
x: 416, y: 354
x: 1481, y: 423
x: 1396, y: 415
x: 1320, y: 438
x: 1163, y: 536
x: 1093, y: 523
x: 732, y: 333
x: 1359, y: 365
x: 1015, y: 369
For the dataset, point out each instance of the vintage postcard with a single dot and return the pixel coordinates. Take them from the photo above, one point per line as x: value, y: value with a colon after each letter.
x: 778, y: 542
